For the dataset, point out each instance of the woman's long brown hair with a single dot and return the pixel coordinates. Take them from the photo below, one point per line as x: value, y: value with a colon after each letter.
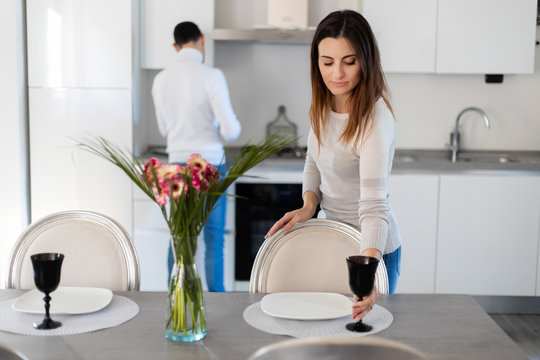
x: 355, y: 29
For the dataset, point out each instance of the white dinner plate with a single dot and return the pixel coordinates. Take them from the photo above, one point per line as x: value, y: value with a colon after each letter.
x: 65, y: 300
x: 306, y: 305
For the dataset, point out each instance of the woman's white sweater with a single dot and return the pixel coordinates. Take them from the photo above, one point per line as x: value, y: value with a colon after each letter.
x: 351, y: 184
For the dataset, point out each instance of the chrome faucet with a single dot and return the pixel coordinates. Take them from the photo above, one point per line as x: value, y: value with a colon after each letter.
x: 454, y: 136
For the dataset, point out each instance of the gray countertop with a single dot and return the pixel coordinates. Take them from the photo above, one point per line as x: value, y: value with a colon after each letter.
x: 438, y: 162
x: 420, y: 161
x: 440, y: 326
x: 471, y: 161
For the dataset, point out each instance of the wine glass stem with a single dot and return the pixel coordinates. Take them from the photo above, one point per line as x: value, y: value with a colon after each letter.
x: 47, y: 299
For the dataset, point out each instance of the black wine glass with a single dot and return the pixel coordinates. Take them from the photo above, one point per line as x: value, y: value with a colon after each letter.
x: 361, y: 281
x: 47, y: 268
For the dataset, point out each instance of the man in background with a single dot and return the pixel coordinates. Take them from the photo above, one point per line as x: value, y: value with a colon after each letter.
x: 194, y: 113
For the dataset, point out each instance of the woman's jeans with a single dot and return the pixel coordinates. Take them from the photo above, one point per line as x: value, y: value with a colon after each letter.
x: 392, y: 261
x: 214, y: 243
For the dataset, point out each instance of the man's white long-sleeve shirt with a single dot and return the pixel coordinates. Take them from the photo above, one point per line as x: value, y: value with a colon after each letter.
x: 193, y: 108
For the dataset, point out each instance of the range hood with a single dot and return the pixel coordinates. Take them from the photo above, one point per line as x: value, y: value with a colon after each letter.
x: 283, y: 36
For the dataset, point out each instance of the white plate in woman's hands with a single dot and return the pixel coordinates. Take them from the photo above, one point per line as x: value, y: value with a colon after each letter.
x: 306, y: 305
x: 65, y: 300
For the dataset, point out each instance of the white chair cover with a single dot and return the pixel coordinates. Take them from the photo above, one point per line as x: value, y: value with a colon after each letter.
x: 310, y: 257
x: 98, y: 251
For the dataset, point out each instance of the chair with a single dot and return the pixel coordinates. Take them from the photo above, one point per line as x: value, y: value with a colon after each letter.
x: 310, y: 257
x: 98, y: 251
x: 366, y: 348
x: 10, y: 354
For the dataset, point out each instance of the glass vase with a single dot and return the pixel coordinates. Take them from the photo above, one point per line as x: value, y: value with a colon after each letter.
x: 186, y: 320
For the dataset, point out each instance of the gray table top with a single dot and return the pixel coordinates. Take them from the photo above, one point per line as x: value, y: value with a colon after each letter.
x: 440, y: 326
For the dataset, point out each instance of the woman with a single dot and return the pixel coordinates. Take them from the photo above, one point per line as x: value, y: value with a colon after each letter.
x: 351, y: 142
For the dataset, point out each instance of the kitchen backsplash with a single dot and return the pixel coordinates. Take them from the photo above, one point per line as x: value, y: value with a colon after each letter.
x: 263, y: 76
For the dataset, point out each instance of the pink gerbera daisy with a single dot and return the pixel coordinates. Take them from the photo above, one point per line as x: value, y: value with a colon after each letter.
x: 177, y: 187
x: 161, y: 196
x: 151, y: 165
x: 197, y: 162
x: 167, y: 172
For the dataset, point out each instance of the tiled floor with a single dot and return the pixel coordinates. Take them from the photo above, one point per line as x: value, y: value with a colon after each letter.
x: 524, y: 330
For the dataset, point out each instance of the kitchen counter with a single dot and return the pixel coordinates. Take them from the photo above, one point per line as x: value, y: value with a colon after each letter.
x: 412, y: 160
x: 437, y: 161
x: 433, y: 161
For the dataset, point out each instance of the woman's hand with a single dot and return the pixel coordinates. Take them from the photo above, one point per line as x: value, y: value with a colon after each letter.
x: 299, y: 215
x: 289, y: 219
x: 362, y: 307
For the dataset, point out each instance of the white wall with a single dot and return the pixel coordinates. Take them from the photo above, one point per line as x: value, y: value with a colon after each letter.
x: 426, y: 108
x: 261, y: 77
x: 13, y: 203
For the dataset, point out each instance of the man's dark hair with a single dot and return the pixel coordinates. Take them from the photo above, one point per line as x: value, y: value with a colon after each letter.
x: 186, y: 32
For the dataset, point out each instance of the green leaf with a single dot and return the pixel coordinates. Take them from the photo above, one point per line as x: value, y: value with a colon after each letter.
x: 186, y: 215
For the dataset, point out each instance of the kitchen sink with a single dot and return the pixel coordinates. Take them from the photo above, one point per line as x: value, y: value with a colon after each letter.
x: 487, y: 158
x: 464, y: 157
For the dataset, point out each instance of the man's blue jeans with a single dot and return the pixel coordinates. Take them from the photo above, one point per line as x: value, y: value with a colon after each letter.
x: 214, y: 242
x: 392, y: 261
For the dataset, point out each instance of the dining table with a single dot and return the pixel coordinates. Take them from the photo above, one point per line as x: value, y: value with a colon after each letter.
x: 441, y: 326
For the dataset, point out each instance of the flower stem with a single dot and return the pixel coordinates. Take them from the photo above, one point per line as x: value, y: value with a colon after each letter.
x: 185, y: 292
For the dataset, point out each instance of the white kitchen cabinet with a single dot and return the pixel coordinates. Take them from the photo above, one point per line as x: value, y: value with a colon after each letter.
x: 406, y: 33
x: 486, y: 36
x: 152, y: 248
x: 158, y: 19
x: 66, y: 178
x: 488, y: 234
x: 79, y: 43
x: 147, y: 214
x: 414, y: 199
x: 229, y: 250
x: 538, y: 266
x: 152, y: 237
x: 454, y: 36
x: 79, y: 84
x: 13, y: 192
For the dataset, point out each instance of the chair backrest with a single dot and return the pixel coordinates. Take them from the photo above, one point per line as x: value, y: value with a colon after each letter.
x: 310, y: 257
x: 353, y: 347
x: 98, y: 251
x: 7, y: 353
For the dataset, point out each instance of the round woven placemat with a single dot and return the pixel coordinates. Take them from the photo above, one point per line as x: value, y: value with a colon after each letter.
x: 378, y: 317
x: 119, y: 310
